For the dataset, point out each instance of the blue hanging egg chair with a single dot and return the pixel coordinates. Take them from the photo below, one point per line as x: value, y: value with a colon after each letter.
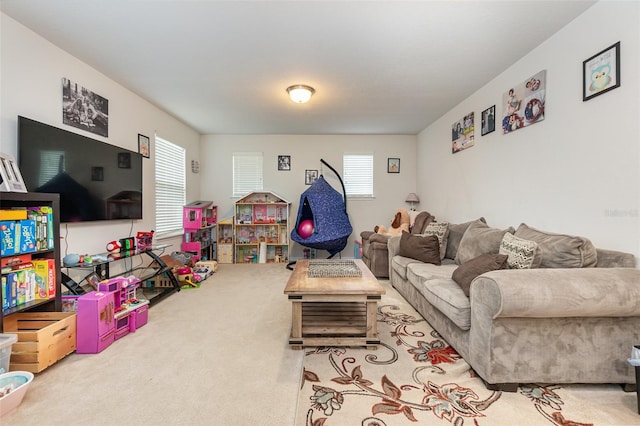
x: 327, y: 209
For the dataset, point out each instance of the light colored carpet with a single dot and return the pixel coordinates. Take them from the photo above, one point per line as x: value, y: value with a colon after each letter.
x: 415, y: 376
x: 216, y: 355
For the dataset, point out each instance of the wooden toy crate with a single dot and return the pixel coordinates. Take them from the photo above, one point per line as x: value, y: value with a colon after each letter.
x: 43, y: 339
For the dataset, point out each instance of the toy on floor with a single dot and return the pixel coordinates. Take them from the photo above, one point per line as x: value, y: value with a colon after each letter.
x: 188, y: 278
x: 400, y: 223
x: 205, y: 268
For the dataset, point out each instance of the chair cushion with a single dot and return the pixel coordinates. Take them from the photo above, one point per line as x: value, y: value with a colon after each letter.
x: 456, y: 231
x: 423, y: 248
x: 447, y: 297
x: 465, y: 273
x: 560, y: 251
x: 479, y: 239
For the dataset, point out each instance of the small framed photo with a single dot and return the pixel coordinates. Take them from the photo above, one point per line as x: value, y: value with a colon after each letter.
x: 124, y: 160
x: 310, y: 176
x: 143, y: 145
x: 284, y: 162
x: 488, y: 120
x: 97, y: 174
x: 601, y: 72
x: 92, y: 282
x: 393, y: 165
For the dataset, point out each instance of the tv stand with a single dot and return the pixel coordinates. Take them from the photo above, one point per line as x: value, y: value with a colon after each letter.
x: 102, y: 268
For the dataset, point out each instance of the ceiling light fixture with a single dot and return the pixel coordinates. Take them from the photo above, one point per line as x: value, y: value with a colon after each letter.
x: 299, y: 93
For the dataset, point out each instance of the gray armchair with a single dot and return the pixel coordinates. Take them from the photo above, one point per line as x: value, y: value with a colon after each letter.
x: 374, y: 246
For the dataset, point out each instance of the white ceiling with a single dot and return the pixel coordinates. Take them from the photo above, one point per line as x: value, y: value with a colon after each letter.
x: 222, y: 67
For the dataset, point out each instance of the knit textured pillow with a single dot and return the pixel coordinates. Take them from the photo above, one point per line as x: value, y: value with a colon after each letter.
x: 522, y: 254
x: 440, y: 230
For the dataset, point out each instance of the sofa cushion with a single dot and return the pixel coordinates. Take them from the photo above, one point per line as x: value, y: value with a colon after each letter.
x: 440, y: 230
x: 456, y: 230
x: 465, y: 273
x: 560, y: 251
x: 400, y: 264
x: 423, y: 248
x: 521, y: 253
x: 418, y: 272
x: 479, y: 239
x: 447, y: 297
x: 421, y: 221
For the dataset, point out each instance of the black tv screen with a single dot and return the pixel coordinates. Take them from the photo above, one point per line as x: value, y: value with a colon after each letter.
x: 95, y: 180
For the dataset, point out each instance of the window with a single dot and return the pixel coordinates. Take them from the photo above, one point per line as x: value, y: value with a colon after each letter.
x: 358, y: 175
x: 170, y: 187
x: 247, y: 173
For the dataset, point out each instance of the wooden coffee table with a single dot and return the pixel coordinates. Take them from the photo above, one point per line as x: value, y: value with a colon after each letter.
x: 333, y: 311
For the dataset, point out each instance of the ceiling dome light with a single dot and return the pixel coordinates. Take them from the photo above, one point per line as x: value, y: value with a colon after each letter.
x: 299, y: 93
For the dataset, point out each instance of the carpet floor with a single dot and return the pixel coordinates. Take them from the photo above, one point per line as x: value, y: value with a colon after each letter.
x: 219, y: 355
x: 415, y: 376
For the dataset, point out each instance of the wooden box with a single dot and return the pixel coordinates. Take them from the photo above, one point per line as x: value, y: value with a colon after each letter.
x: 43, y: 339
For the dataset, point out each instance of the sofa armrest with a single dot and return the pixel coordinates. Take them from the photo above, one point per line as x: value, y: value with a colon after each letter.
x: 379, y: 238
x: 365, y: 235
x: 393, y: 246
x: 558, y: 293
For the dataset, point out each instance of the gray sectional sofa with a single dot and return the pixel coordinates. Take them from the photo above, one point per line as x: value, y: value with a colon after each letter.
x: 571, y: 317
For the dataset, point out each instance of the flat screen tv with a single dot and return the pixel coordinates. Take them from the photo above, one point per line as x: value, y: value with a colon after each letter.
x: 95, y: 180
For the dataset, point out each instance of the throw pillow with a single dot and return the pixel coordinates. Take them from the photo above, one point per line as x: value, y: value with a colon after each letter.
x: 423, y: 248
x: 421, y: 221
x: 560, y: 251
x: 522, y: 254
x: 465, y: 273
x: 456, y: 231
x: 440, y: 230
x: 479, y: 239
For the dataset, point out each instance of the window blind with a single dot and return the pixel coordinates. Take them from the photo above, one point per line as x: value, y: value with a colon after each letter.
x: 247, y: 173
x: 358, y: 175
x: 170, y: 161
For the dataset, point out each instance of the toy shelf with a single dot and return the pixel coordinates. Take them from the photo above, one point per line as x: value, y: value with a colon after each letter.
x: 199, y: 220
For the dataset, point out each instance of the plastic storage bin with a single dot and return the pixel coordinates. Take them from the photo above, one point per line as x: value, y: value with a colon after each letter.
x: 18, y: 382
x: 6, y: 341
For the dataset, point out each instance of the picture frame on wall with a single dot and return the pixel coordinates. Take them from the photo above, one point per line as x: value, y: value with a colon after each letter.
x: 393, y: 165
x: 488, y: 120
x: 284, y: 162
x: 601, y: 72
x: 143, y: 145
x: 310, y: 176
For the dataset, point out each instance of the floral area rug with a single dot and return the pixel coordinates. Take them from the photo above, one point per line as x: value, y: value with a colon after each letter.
x: 416, y: 377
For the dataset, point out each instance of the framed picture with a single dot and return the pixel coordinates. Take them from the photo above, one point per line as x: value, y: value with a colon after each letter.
x: 284, y: 162
x: 524, y: 103
x: 601, y: 72
x: 97, y: 174
x: 393, y: 165
x: 310, y: 176
x: 463, y: 133
x: 124, y: 160
x: 488, y: 120
x: 84, y: 109
x: 92, y: 282
x: 143, y: 145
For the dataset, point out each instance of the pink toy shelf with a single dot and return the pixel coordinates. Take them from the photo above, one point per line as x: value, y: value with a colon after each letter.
x: 199, y: 214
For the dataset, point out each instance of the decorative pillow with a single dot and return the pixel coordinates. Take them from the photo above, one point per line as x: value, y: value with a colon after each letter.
x: 480, y: 239
x: 456, y: 230
x: 440, y: 230
x: 465, y: 273
x: 420, y: 222
x: 560, y: 251
x: 522, y: 254
x: 423, y: 248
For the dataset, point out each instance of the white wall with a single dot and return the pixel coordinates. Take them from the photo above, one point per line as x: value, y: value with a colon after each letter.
x: 306, y: 151
x: 31, y: 72
x: 576, y: 172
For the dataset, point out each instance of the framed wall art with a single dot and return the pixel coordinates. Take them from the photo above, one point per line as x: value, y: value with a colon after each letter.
x: 84, y: 109
x: 393, y: 165
x: 488, y: 120
x: 601, y: 72
x: 143, y: 145
x: 310, y: 176
x: 284, y: 162
x: 463, y: 133
x: 524, y: 103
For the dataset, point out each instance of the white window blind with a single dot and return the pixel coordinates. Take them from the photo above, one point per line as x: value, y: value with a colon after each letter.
x: 358, y: 175
x: 170, y: 186
x: 247, y: 173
